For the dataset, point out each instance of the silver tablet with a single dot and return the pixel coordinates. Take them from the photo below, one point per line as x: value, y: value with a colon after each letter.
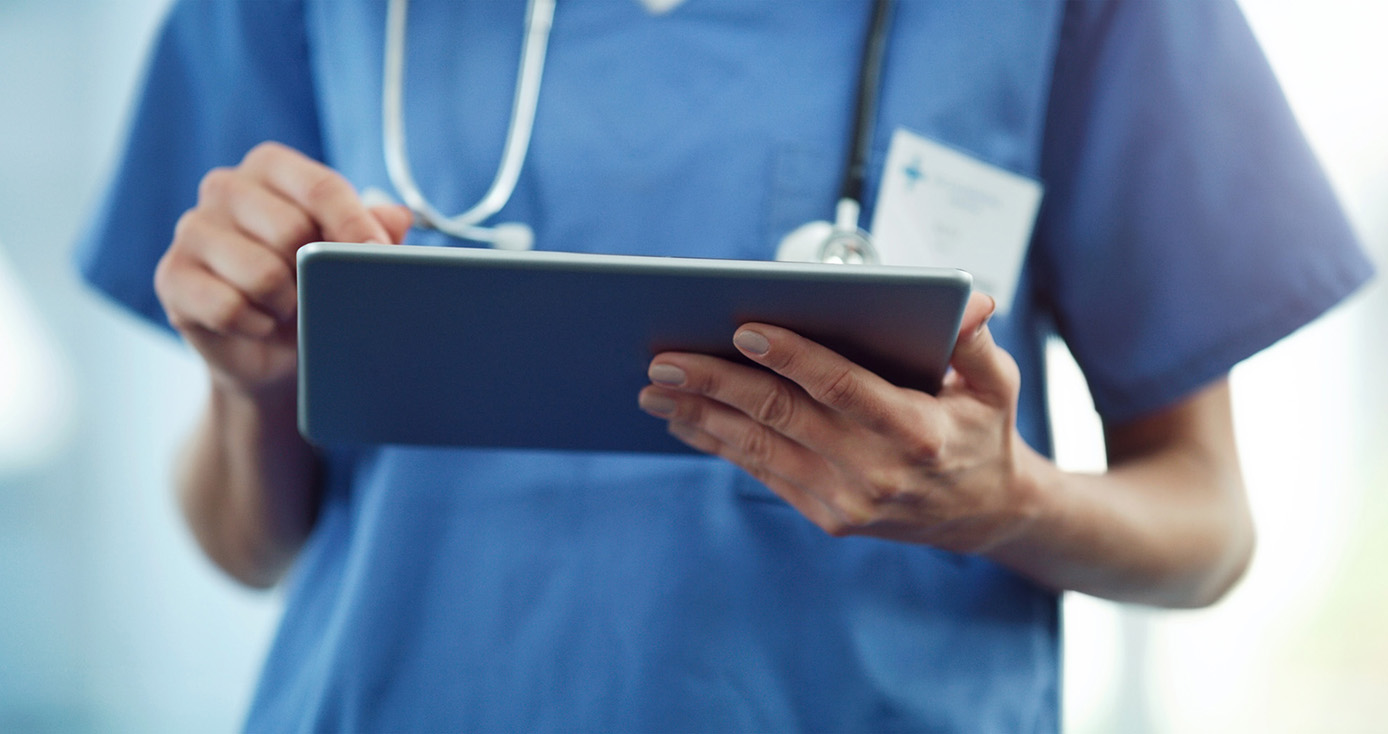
x: 548, y: 350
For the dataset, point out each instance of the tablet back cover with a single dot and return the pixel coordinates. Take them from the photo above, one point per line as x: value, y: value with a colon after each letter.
x: 480, y: 348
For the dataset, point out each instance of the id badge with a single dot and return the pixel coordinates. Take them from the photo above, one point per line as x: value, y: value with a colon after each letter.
x: 939, y: 207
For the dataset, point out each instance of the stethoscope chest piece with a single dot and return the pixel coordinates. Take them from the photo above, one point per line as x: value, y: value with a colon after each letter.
x: 823, y: 242
x: 843, y: 241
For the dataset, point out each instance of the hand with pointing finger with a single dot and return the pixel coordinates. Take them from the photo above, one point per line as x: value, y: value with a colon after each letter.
x: 852, y: 452
x: 227, y: 281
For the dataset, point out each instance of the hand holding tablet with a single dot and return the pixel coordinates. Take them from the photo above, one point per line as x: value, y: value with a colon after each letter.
x: 546, y: 350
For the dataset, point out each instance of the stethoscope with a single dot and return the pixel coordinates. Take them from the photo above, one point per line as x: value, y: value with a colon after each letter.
x: 539, y: 16
x: 842, y: 241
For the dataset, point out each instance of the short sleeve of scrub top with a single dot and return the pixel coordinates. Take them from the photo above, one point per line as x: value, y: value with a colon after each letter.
x: 221, y: 77
x: 1185, y: 225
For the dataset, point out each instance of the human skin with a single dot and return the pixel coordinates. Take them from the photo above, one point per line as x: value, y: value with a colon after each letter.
x: 247, y: 481
x: 1167, y: 524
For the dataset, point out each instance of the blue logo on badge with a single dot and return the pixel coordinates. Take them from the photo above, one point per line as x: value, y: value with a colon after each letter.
x: 913, y: 172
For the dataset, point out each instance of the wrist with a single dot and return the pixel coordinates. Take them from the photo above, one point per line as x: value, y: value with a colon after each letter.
x: 1035, y: 489
x: 250, y: 489
x: 273, y: 401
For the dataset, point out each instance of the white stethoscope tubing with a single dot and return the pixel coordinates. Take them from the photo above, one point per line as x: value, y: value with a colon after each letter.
x: 842, y: 241
x: 539, y: 17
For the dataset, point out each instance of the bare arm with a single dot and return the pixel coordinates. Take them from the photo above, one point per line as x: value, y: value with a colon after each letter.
x: 1167, y: 524
x: 248, y: 483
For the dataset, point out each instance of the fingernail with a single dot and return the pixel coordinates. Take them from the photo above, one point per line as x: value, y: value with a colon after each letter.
x: 751, y: 341
x: 666, y: 374
x: 659, y: 405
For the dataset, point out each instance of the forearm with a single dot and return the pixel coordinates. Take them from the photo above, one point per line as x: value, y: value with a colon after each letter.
x: 1167, y: 526
x: 248, y: 484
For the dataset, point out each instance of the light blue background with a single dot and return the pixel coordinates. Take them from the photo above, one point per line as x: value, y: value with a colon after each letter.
x: 109, y: 619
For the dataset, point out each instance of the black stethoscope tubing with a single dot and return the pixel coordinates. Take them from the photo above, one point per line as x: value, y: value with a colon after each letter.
x: 866, y: 103
x: 840, y: 241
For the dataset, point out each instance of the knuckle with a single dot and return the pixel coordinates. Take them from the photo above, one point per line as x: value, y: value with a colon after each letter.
x: 267, y: 278
x: 225, y: 312
x: 1011, y: 375
x: 836, y: 528
x: 164, y: 273
x: 216, y: 185
x: 178, y: 320
x: 357, y: 225
x: 297, y: 228
x: 777, y: 406
x: 757, y: 447
x: 263, y: 154
x: 854, y: 509
x: 840, y: 388
x: 703, y: 382
x: 324, y: 187
x: 164, y: 270
x: 860, y: 513
x: 184, y: 228
x: 760, y: 473
x: 689, y: 412
x: 921, y: 448
x: 882, y: 487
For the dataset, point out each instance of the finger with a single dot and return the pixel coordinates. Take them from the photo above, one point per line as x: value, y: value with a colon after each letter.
x: 396, y: 218
x: 254, y: 270
x: 826, y: 376
x: 328, y: 198
x: 766, y: 398
x: 195, y: 298
x: 260, y: 213
x: 760, y: 449
x: 804, y: 502
x: 261, y: 276
x: 977, y: 312
x: 977, y: 360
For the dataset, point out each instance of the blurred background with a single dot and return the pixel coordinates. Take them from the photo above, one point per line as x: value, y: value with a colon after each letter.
x: 111, y: 621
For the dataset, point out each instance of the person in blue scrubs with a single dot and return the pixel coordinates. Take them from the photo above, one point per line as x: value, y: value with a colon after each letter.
x: 851, y: 556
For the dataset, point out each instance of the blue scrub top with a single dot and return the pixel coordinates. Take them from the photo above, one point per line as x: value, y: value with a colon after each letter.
x: 1185, y: 226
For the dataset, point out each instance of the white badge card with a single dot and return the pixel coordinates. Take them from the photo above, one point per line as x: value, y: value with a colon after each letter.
x: 938, y: 207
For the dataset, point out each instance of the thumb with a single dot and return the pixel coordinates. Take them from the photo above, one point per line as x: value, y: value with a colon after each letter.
x: 978, y: 361
x: 396, y: 219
